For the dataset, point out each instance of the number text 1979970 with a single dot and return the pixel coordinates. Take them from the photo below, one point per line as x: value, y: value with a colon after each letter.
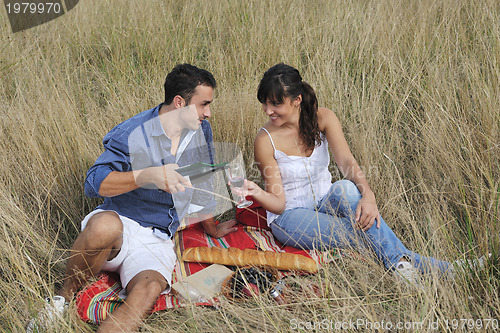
x: 33, y: 8
x: 471, y: 324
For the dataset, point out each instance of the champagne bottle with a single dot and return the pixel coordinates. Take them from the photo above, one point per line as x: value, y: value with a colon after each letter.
x: 277, y: 292
x: 199, y: 172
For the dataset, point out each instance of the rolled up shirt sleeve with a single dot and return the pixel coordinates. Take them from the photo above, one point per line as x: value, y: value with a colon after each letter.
x: 114, y: 158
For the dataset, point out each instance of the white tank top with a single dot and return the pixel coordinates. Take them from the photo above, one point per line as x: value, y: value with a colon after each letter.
x: 306, y: 180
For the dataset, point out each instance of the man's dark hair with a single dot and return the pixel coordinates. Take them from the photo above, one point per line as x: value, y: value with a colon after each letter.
x: 184, y: 79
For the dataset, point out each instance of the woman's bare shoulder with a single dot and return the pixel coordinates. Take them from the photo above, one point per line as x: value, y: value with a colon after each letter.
x: 262, y: 137
x: 326, y: 117
x: 263, y: 147
x: 262, y: 132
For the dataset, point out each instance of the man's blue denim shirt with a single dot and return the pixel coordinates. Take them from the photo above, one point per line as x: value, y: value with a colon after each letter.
x: 141, y: 142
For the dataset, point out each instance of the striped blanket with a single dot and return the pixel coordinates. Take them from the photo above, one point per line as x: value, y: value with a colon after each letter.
x: 101, y: 297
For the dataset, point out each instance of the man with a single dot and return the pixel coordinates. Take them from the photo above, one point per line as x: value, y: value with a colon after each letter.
x: 145, y: 199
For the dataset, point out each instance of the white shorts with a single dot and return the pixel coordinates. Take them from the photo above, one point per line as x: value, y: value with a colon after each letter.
x: 141, y: 250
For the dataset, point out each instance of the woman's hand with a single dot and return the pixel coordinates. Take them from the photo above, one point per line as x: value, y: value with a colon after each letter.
x: 274, y: 203
x: 367, y: 212
x: 249, y: 188
x: 252, y: 188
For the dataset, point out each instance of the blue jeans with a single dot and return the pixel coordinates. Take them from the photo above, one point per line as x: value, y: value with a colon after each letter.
x: 331, y: 224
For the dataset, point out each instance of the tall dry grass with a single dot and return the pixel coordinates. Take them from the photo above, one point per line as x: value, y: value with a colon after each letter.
x: 415, y: 84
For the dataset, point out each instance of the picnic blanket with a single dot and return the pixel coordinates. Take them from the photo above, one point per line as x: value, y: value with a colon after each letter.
x: 101, y: 297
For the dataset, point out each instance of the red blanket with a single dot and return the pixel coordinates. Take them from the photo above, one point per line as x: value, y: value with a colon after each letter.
x: 98, y: 299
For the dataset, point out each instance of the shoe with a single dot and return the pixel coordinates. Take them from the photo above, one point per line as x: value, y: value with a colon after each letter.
x: 471, y: 264
x: 408, y: 273
x: 54, y: 308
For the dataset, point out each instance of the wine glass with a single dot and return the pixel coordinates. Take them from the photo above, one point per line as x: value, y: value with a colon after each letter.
x: 236, y: 175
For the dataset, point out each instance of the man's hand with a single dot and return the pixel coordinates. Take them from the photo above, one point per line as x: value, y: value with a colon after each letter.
x: 164, y: 178
x: 224, y: 228
x: 219, y: 230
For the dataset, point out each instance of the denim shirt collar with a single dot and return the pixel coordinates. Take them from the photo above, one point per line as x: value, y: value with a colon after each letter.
x: 156, y: 127
x: 157, y: 130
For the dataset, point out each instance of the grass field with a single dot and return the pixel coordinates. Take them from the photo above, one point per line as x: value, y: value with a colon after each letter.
x: 416, y: 85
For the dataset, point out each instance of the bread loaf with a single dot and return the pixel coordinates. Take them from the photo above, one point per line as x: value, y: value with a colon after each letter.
x: 248, y: 257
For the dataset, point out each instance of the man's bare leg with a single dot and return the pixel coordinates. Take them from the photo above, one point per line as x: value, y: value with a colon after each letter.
x: 101, y: 240
x: 142, y: 292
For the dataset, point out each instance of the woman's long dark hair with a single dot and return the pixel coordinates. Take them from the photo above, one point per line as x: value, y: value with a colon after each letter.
x: 282, y: 81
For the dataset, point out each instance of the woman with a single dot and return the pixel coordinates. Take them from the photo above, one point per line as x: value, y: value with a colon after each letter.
x: 304, y: 209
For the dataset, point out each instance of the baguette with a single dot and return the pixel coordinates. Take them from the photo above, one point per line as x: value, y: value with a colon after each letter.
x: 249, y: 257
